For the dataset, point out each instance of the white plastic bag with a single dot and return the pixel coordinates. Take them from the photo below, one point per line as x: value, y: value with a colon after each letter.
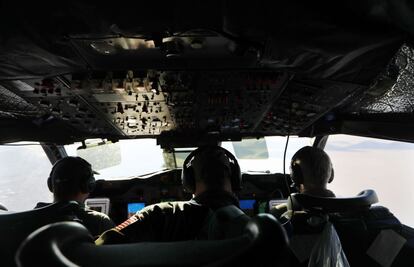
x: 328, y: 251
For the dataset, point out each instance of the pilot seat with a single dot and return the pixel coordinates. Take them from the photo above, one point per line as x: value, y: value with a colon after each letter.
x: 64, y: 244
x: 364, y: 230
x: 16, y: 226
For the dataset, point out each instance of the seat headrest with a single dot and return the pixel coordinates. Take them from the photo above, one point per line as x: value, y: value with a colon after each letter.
x: 16, y: 226
x: 362, y: 201
x: 2, y: 207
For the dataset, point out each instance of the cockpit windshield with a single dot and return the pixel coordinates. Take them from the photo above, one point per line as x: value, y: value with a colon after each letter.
x: 255, y: 161
x: 125, y: 159
x: 128, y: 158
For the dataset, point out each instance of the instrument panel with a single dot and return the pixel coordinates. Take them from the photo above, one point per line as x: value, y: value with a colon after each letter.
x: 126, y: 197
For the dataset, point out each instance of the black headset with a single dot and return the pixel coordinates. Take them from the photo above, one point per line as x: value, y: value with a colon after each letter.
x: 188, y: 177
x: 297, y: 174
x: 87, y: 183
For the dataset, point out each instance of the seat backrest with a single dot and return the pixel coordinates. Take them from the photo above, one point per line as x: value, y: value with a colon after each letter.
x: 2, y: 207
x: 356, y: 222
x: 64, y: 244
x: 16, y: 226
x: 358, y: 230
x: 224, y: 223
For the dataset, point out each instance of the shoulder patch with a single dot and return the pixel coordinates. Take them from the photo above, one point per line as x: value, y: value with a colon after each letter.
x: 126, y: 223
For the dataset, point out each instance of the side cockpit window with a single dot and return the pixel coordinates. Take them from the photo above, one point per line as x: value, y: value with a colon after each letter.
x: 24, y: 169
x: 367, y: 163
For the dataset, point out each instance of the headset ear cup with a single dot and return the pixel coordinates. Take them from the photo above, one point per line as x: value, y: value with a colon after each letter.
x: 187, y: 173
x: 236, y: 177
x: 189, y: 180
x: 296, y: 175
x: 88, y: 185
x: 332, y: 176
x: 50, y: 179
x: 91, y: 186
x: 50, y: 184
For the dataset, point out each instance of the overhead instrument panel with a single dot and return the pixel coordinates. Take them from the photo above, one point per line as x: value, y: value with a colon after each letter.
x: 134, y: 104
x: 228, y: 102
x: 54, y: 98
x: 148, y: 103
x: 303, y: 103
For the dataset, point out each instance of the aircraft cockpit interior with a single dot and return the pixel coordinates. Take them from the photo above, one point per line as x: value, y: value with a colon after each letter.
x: 116, y: 117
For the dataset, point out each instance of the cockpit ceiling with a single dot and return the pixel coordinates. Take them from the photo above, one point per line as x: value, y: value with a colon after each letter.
x: 232, y: 103
x: 84, y: 69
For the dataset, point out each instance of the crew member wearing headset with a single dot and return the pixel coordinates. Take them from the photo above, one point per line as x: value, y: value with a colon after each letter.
x: 212, y: 175
x: 310, y: 170
x: 72, y: 179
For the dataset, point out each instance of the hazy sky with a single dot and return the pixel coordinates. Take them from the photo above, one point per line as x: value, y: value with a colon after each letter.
x: 385, y: 166
x: 23, y: 175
